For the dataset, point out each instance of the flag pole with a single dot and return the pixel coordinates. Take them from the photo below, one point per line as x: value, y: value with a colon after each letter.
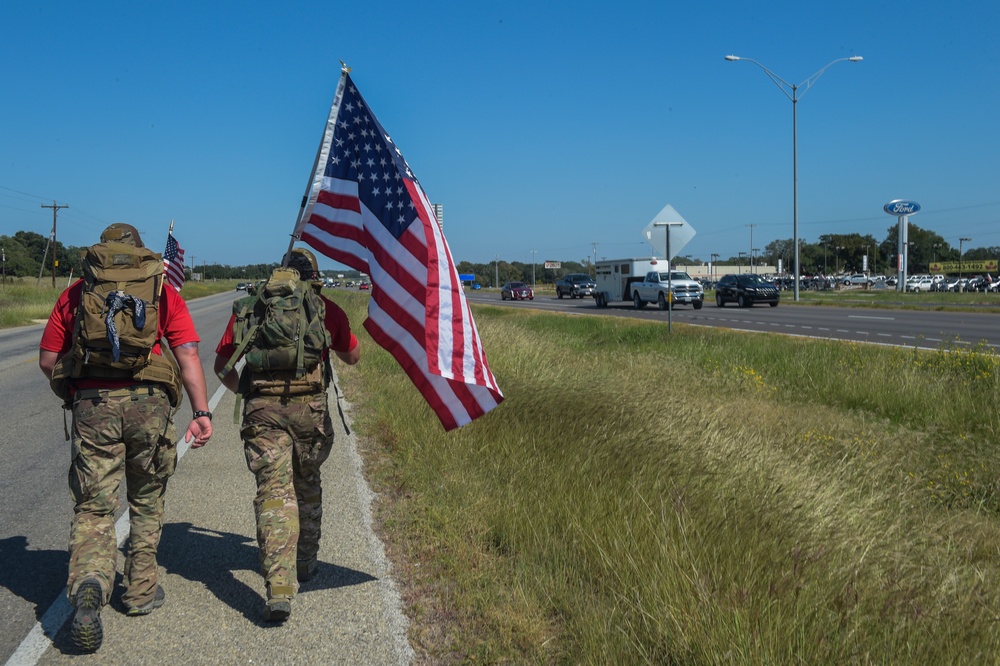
x: 319, y: 164
x: 170, y: 232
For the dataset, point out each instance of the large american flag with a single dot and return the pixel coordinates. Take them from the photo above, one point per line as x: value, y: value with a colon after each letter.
x: 173, y: 260
x: 364, y: 208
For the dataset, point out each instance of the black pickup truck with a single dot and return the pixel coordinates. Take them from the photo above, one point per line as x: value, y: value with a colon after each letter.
x: 575, y: 285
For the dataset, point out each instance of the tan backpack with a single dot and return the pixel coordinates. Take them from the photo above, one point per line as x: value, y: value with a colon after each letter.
x: 117, y: 321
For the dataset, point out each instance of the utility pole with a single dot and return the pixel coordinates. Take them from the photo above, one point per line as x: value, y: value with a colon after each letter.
x: 595, y: 260
x: 751, y: 226
x: 55, y: 262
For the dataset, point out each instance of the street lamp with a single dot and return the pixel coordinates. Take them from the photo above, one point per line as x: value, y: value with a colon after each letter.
x: 794, y: 95
x: 739, y: 257
x: 836, y: 254
x: 714, y: 257
x: 754, y: 252
x: 961, y: 242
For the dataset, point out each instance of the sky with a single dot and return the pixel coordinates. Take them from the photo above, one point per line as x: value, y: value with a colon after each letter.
x: 548, y: 130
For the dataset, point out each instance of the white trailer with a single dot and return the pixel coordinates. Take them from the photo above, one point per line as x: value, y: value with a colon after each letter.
x: 615, y: 276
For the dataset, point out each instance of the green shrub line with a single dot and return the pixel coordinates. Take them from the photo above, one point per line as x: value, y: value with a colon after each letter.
x: 702, y: 496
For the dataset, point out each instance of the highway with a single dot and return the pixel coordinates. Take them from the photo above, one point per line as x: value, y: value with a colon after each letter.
x: 927, y: 329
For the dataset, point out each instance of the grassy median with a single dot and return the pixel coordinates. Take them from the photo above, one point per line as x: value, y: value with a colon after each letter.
x: 703, y: 496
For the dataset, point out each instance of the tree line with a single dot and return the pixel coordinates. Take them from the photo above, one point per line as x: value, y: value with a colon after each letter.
x: 25, y: 252
x: 831, y: 254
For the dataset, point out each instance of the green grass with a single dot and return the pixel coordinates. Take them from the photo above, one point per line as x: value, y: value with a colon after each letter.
x: 890, y: 298
x: 24, y: 301
x: 697, y: 497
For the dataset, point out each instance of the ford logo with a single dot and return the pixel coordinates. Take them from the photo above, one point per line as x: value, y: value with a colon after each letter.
x: 900, y: 207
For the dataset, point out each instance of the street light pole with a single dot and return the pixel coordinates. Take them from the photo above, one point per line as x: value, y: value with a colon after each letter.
x: 794, y: 95
x: 714, y: 257
x: 961, y: 242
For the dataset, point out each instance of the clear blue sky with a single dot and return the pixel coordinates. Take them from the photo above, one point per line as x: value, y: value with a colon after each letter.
x: 541, y: 126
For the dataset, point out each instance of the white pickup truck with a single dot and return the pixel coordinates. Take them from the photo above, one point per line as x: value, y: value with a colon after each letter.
x: 657, y: 286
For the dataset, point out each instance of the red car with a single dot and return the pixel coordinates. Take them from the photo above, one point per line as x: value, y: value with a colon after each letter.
x: 516, y: 291
x: 364, y: 286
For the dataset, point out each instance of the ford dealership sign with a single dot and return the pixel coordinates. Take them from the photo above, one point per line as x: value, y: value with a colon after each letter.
x: 901, y: 207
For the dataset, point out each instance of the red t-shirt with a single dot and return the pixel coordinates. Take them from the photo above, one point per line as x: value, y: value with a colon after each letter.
x: 175, y: 326
x: 336, y: 322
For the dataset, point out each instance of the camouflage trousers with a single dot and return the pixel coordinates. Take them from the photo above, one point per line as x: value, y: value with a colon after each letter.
x: 119, y: 434
x: 285, y: 440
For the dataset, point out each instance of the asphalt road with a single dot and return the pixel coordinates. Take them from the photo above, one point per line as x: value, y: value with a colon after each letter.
x: 910, y: 328
x: 350, y: 613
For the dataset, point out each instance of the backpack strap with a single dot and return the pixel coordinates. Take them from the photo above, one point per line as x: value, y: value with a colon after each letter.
x: 243, y: 333
x: 300, y: 353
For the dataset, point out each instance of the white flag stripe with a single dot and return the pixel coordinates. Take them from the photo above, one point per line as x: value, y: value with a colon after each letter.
x: 415, y: 351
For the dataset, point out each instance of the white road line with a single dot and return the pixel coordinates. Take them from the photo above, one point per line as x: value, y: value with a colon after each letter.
x: 37, y: 641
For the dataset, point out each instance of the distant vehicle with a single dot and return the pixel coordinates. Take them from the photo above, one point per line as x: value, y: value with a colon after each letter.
x: 364, y: 286
x: 976, y: 283
x: 920, y: 284
x: 656, y: 286
x: 858, y: 279
x: 575, y: 285
x: 241, y: 286
x: 615, y: 278
x: 745, y: 290
x: 516, y: 291
x: 476, y: 285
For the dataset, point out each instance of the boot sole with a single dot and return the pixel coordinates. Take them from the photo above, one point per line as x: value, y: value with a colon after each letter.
x: 87, y: 631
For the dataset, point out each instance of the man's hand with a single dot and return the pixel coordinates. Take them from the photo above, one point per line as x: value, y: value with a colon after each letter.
x: 199, y: 430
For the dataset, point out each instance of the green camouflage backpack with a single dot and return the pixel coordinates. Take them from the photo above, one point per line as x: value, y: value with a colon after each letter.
x: 282, y: 330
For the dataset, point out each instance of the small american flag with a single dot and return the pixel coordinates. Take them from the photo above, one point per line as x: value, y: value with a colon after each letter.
x: 365, y: 209
x: 173, y: 260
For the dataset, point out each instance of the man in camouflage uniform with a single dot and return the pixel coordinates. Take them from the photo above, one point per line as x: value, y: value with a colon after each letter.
x: 286, y: 438
x: 122, y: 429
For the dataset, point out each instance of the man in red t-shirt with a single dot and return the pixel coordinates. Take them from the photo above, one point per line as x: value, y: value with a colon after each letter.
x: 122, y: 428
x: 287, y: 434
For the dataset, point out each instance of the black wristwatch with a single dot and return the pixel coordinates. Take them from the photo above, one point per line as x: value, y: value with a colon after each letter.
x: 200, y: 413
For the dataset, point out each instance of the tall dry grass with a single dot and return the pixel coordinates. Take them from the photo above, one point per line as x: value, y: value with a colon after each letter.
x: 699, y: 497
